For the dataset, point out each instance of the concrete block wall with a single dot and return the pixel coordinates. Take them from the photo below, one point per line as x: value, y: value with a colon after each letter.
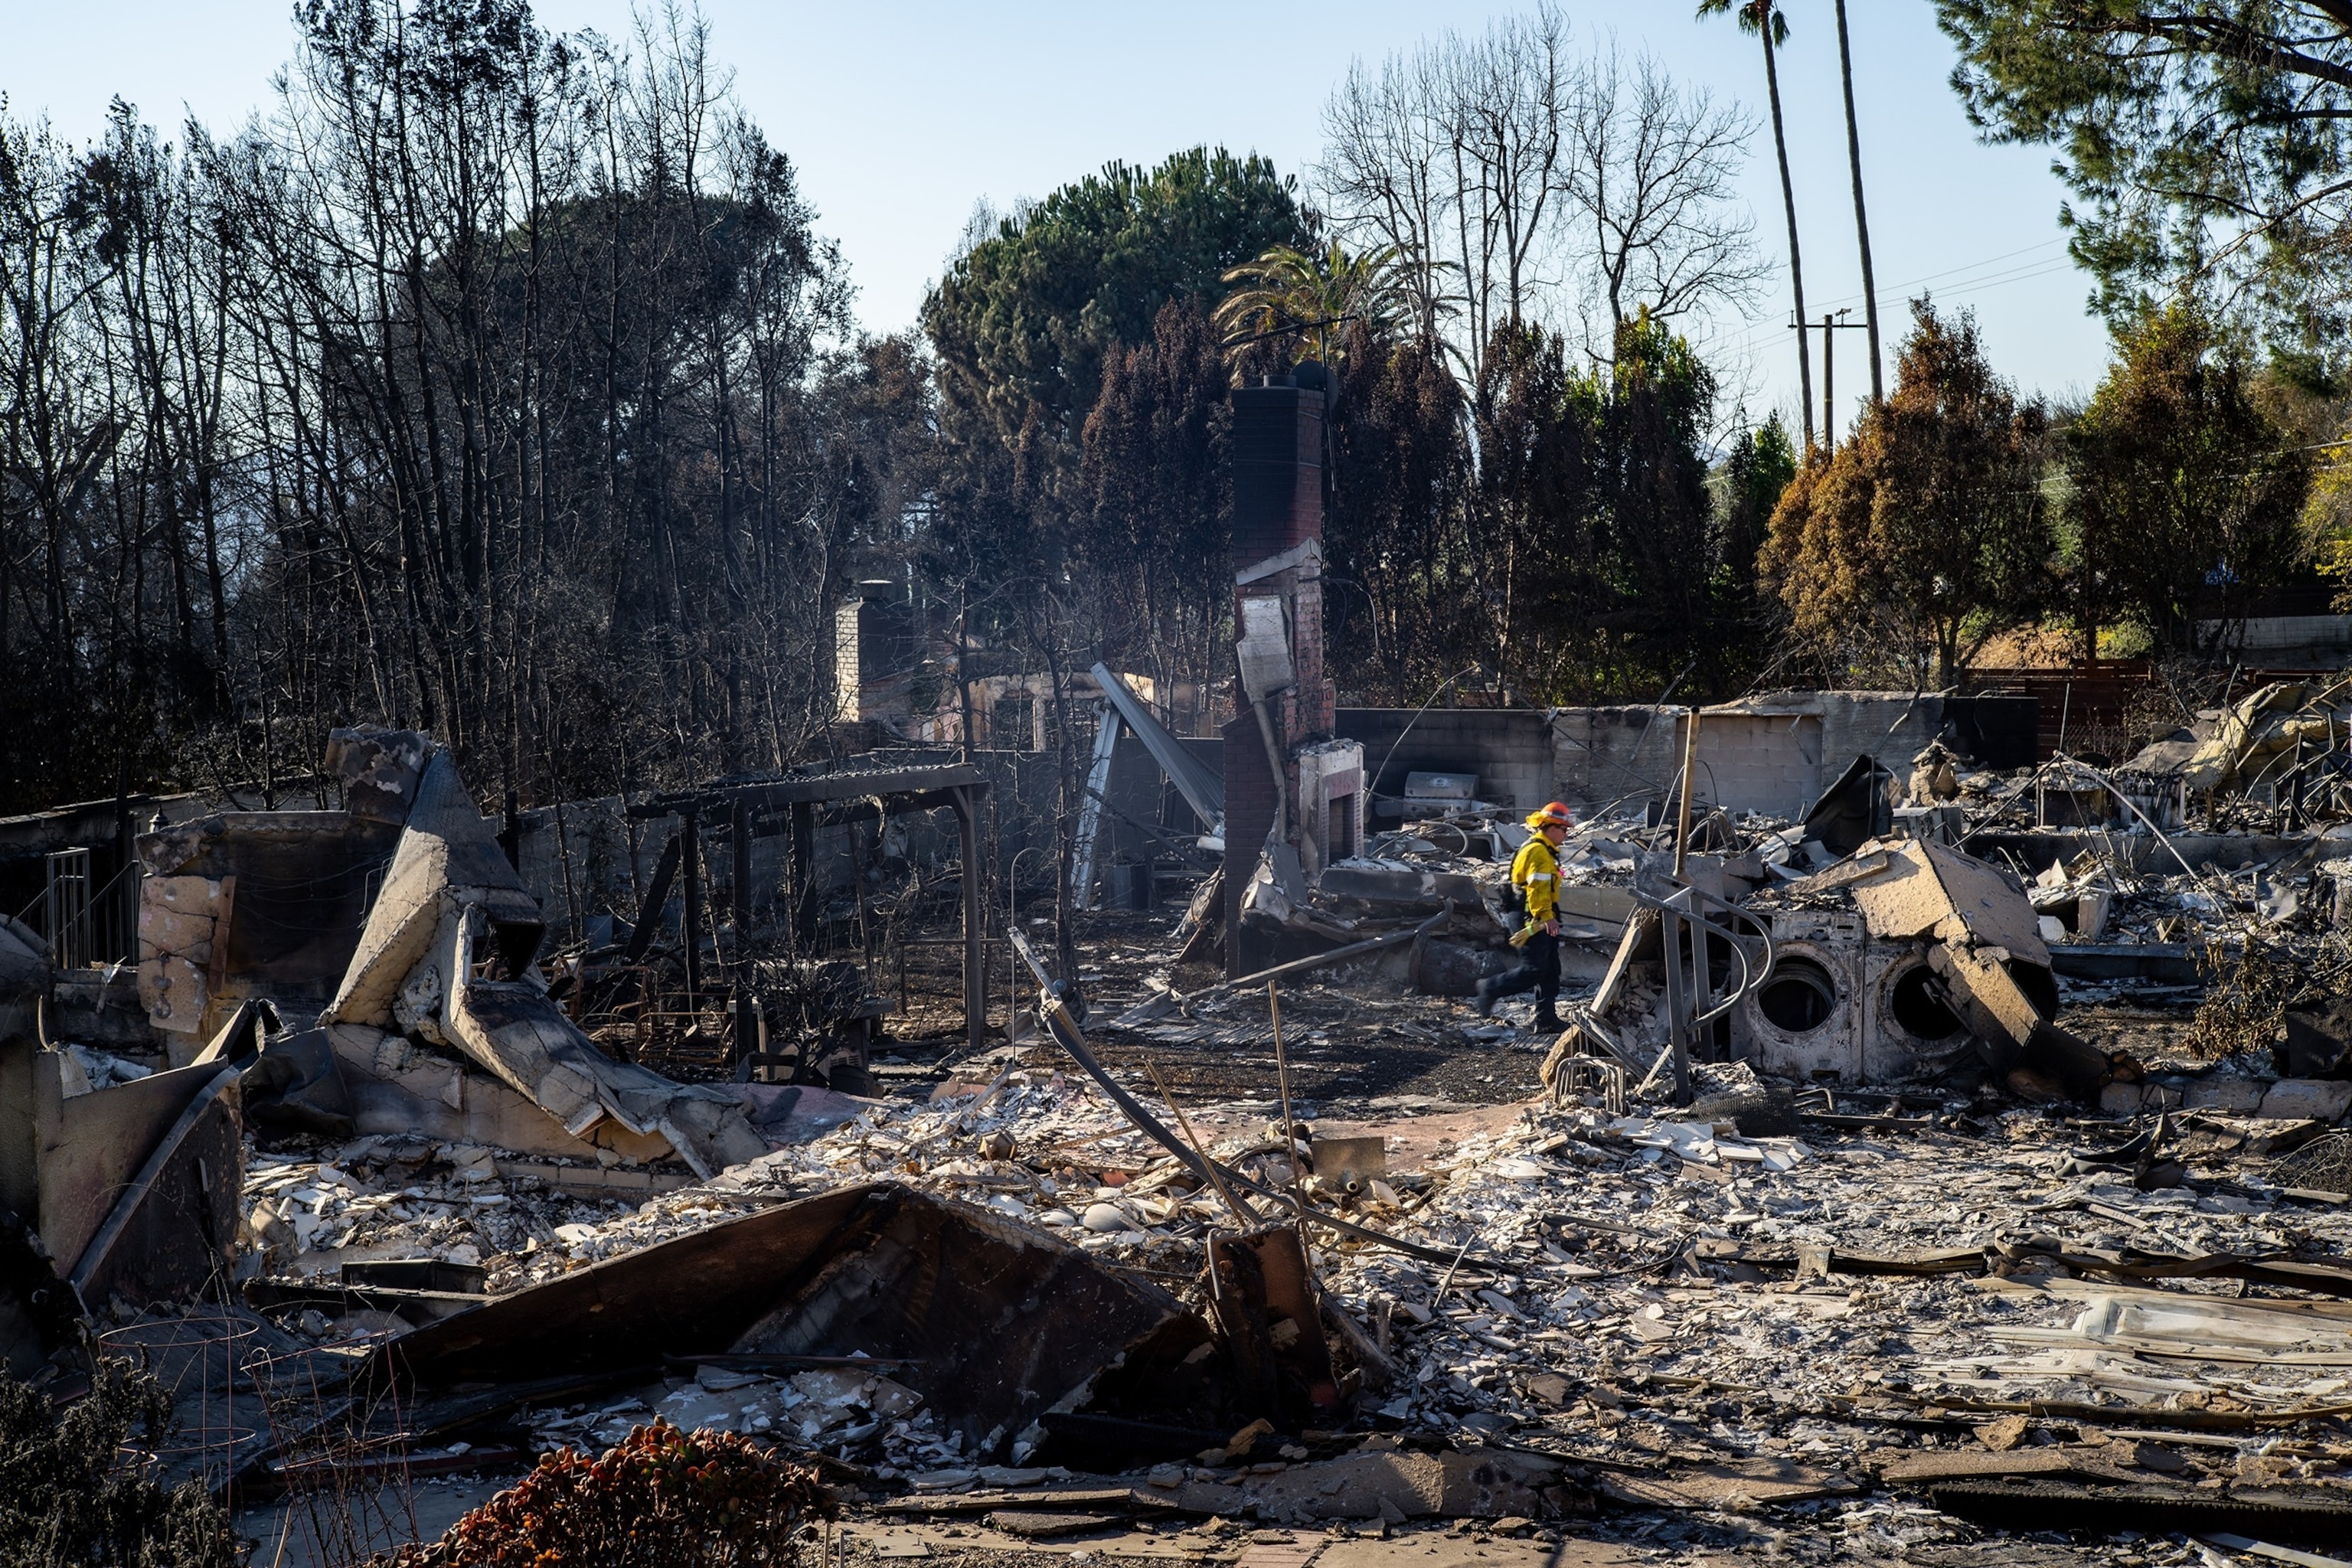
x: 1892, y: 726
x: 1771, y: 763
x: 1510, y: 750
x: 1605, y: 755
x: 1771, y: 754
x: 1620, y: 760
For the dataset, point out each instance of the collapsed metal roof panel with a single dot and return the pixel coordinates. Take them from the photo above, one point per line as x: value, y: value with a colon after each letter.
x: 1202, y: 789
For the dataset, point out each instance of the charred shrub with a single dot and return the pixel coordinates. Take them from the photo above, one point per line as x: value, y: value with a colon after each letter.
x: 2246, y: 998
x: 74, y: 1493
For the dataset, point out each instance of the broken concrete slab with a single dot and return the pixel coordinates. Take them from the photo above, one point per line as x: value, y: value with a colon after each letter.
x: 2203, y: 1133
x: 1489, y: 1483
x: 2297, y: 1098
x: 1988, y: 947
x: 1730, y: 1484
x: 2223, y: 1092
x: 398, y: 1086
x: 511, y: 1028
x: 449, y: 900
x: 1922, y: 1468
x: 1923, y: 889
x: 1997, y: 1010
x: 445, y: 857
x: 1383, y: 1481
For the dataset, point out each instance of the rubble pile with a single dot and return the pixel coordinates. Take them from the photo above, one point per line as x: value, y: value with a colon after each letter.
x: 1606, y: 1265
x: 1908, y: 1165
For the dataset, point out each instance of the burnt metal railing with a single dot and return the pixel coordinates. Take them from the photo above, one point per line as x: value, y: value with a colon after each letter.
x: 1687, y: 926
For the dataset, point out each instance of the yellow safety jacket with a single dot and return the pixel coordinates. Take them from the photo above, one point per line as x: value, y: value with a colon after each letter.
x: 1535, y: 872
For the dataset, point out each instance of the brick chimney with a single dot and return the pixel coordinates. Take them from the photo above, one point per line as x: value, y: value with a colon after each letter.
x: 1278, y: 562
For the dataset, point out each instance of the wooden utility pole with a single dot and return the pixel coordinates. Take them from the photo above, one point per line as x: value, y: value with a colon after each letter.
x: 1831, y: 322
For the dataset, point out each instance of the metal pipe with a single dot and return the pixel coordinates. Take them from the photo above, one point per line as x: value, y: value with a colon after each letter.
x: 1067, y: 1034
x: 1325, y: 960
x: 1690, y: 771
x: 1281, y: 778
x: 1290, y: 1122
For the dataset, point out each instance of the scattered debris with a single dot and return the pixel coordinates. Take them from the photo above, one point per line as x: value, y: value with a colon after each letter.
x: 876, y: 1272
x: 1965, y: 1151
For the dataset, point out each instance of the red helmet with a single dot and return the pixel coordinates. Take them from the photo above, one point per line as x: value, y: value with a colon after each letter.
x: 1553, y: 812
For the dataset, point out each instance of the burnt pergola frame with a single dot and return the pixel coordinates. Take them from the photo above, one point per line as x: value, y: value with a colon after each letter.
x: 766, y: 808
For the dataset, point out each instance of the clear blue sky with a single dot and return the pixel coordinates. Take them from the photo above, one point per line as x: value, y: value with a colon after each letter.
x: 900, y: 115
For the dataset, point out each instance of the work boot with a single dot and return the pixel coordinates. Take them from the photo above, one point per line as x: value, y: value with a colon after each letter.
x: 1484, y: 1005
x: 1548, y: 1022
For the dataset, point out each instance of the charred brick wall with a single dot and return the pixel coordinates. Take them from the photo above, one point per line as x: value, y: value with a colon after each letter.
x: 1277, y: 445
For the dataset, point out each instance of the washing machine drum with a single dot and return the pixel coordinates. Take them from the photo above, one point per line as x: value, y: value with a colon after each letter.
x: 1914, y: 1003
x: 1799, y: 997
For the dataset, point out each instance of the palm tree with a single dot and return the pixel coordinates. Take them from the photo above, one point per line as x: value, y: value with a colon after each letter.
x: 1860, y: 219
x: 1314, y: 296
x: 1763, y: 18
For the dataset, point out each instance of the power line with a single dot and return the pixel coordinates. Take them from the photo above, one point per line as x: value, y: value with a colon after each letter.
x: 1894, y: 289
x: 1898, y: 294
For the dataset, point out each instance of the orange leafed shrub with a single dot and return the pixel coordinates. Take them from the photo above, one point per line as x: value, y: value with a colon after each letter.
x: 662, y: 1498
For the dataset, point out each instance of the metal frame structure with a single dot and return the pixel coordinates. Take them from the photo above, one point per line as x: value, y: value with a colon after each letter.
x: 66, y: 908
x: 763, y: 810
x: 1692, y: 1001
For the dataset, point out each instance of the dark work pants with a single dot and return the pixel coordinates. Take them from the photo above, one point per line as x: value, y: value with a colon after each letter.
x: 1538, y: 972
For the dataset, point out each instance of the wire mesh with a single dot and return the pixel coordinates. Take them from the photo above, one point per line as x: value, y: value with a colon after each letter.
x: 1595, y: 1078
x: 2322, y: 1166
x: 201, y: 1359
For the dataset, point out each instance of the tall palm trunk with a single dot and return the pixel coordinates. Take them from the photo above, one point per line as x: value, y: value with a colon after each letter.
x: 1860, y: 219
x: 1788, y: 199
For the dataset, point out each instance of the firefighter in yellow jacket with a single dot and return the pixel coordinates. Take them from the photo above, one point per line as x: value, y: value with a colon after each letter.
x: 1535, y: 878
